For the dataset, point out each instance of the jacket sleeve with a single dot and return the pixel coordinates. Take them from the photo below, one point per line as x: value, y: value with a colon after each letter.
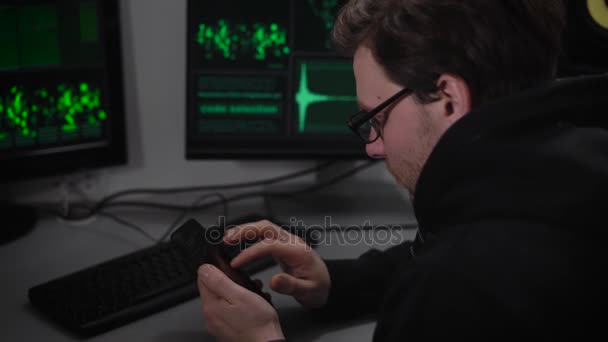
x: 358, y: 285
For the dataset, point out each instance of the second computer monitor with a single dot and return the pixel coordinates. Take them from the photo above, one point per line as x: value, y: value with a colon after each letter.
x: 61, y: 87
x: 264, y: 81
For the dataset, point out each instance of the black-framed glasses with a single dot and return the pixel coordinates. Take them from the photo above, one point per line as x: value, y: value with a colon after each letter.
x: 364, y: 123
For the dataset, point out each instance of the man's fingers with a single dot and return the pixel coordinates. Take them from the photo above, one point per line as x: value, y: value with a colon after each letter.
x: 290, y: 285
x: 216, y: 283
x: 285, y: 249
x: 255, y: 230
x: 206, y: 296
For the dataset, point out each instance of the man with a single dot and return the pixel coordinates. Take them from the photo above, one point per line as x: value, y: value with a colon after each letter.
x: 506, y: 166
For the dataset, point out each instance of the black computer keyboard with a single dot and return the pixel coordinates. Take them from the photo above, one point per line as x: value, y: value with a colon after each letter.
x: 121, y: 290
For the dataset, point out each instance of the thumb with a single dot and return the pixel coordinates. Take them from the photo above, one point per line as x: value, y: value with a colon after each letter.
x: 288, y: 284
x: 217, y: 283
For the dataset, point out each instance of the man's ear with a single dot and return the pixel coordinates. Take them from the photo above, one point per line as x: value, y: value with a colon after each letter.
x: 455, y: 96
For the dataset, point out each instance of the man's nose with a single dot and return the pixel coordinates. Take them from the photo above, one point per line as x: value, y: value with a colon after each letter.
x: 376, y: 149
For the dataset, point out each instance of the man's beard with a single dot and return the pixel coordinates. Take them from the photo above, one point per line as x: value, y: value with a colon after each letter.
x: 406, y: 167
x: 405, y: 173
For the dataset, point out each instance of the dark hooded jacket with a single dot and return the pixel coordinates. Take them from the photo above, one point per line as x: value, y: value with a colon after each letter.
x: 511, y: 206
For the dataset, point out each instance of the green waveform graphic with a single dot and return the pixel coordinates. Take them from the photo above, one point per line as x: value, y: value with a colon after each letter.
x: 28, y: 113
x: 231, y: 42
x: 305, y: 97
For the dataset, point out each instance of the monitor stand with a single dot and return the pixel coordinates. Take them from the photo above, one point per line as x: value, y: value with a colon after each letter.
x: 16, y: 221
x: 353, y: 200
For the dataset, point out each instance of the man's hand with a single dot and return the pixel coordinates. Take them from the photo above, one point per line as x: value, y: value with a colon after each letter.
x: 233, y: 313
x: 306, y: 277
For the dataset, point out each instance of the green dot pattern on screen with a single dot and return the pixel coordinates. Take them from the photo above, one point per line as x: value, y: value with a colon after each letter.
x: 326, y: 12
x: 231, y: 42
x: 66, y: 106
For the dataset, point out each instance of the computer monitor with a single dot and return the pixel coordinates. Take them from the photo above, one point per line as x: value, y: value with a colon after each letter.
x: 61, y: 94
x: 263, y: 81
x: 61, y: 87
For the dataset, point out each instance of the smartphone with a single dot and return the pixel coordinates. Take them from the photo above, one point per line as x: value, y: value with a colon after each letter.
x: 217, y: 257
x: 205, y: 246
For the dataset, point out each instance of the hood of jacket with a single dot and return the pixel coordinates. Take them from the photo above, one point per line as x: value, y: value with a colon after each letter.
x: 538, y: 156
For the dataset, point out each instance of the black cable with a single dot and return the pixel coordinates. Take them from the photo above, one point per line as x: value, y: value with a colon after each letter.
x: 167, y: 191
x: 202, y: 198
x: 225, y: 201
x: 128, y: 224
x: 239, y: 197
x: 330, y: 182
